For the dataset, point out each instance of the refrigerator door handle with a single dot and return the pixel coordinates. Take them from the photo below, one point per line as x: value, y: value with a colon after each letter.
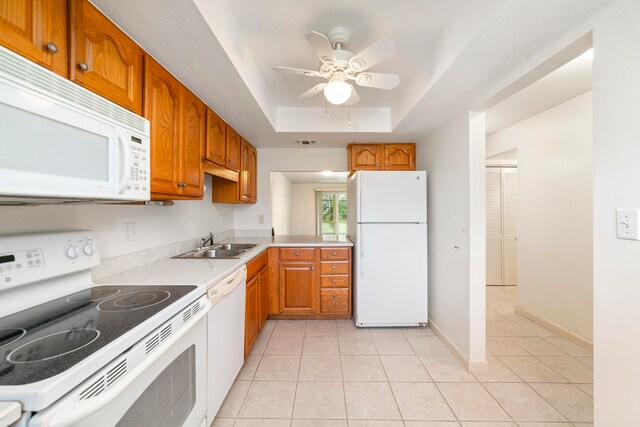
x: 361, y: 254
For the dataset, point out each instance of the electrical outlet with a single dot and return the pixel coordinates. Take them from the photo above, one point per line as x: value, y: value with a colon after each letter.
x: 129, y: 231
x: 221, y: 219
x: 260, y: 219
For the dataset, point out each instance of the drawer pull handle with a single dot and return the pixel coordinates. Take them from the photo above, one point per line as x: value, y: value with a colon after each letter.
x: 297, y: 253
x: 333, y: 266
x: 334, y: 254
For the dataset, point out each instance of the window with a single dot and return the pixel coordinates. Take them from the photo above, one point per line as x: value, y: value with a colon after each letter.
x: 331, y: 215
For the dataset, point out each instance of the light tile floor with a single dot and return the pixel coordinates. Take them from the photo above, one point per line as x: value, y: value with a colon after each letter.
x: 322, y: 373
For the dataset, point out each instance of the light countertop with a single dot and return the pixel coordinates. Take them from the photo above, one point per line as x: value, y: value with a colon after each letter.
x: 207, y: 272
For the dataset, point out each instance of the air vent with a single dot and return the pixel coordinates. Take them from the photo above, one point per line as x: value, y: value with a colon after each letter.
x: 304, y: 141
x: 93, y: 390
x: 165, y: 333
x: 116, y: 372
x: 186, y: 316
x: 195, y: 309
x: 152, y: 343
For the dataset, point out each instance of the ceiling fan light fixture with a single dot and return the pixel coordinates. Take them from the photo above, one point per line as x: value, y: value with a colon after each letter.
x: 338, y: 92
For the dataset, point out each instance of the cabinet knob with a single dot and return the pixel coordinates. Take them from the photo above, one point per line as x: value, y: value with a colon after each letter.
x: 297, y: 253
x: 334, y: 254
x: 334, y: 294
x: 313, y: 268
x: 378, y: 164
x: 387, y: 164
x: 52, y: 47
x: 333, y: 266
x: 83, y: 66
x: 334, y: 281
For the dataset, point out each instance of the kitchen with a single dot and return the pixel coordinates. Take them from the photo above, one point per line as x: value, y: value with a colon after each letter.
x: 131, y: 237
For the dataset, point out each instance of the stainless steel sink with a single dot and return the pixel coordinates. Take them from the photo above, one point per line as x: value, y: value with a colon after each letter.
x: 221, y: 251
x: 234, y: 246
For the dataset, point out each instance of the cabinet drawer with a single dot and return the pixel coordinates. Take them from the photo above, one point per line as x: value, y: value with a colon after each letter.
x: 335, y: 301
x: 334, y: 281
x: 334, y: 254
x: 257, y: 264
x: 297, y: 254
x: 338, y: 267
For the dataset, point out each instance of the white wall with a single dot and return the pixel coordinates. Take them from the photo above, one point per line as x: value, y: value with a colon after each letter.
x: 453, y: 156
x: 616, y: 270
x: 284, y: 160
x: 303, y: 205
x: 555, y: 196
x: 156, y: 226
x: 281, y: 189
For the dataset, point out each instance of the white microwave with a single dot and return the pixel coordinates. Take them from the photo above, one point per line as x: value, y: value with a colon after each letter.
x: 62, y: 143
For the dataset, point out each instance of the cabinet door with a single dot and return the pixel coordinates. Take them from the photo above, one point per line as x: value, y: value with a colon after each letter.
x: 37, y: 30
x: 252, y: 174
x: 245, y: 171
x: 263, y: 309
x: 103, y: 59
x: 400, y: 157
x: 233, y: 149
x: 193, y: 136
x: 251, y: 315
x: 215, y: 150
x: 162, y: 108
x: 365, y: 157
x: 298, y: 289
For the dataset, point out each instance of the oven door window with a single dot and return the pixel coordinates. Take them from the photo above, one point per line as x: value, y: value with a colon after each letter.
x: 169, y: 399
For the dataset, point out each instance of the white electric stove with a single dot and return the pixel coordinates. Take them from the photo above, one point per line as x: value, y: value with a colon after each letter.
x: 72, y: 353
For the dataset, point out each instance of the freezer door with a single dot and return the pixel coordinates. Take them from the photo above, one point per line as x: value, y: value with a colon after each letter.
x: 390, y: 282
x: 392, y: 196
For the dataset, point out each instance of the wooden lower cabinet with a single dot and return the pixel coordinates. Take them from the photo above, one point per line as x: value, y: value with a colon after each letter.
x: 311, y: 282
x: 257, y: 299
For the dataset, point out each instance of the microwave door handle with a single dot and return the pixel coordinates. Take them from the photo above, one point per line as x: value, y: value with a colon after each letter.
x: 74, y: 411
x: 124, y: 178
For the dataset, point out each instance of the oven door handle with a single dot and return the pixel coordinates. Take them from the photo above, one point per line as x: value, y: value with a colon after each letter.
x: 71, y: 414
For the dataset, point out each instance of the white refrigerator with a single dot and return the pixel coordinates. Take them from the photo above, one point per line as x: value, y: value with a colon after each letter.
x: 388, y: 225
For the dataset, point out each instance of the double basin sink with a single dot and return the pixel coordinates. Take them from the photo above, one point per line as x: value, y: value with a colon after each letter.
x: 219, y: 251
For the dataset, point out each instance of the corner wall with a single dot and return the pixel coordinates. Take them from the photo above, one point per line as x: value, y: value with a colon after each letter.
x: 555, y: 213
x: 281, y: 189
x: 453, y: 156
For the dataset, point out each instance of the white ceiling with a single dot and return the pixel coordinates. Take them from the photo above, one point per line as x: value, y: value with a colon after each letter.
x: 320, y: 177
x: 572, y: 79
x: 452, y: 56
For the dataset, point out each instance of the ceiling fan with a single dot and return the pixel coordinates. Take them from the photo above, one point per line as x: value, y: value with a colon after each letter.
x: 339, y: 66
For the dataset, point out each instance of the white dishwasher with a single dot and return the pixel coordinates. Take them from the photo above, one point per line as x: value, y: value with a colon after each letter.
x: 225, y: 340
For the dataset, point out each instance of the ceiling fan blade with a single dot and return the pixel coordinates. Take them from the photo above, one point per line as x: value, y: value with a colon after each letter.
x: 374, y: 54
x: 300, y: 71
x: 354, y: 98
x: 313, y: 91
x: 378, y: 80
x: 321, y: 46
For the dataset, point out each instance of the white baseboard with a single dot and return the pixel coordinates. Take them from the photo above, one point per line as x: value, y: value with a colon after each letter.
x: 471, y: 365
x: 554, y: 327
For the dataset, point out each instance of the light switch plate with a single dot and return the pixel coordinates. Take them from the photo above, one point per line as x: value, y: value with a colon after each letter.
x: 627, y: 226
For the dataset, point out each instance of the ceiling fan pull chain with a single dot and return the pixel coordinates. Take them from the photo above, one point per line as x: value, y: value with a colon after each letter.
x: 348, y: 116
x: 326, y: 108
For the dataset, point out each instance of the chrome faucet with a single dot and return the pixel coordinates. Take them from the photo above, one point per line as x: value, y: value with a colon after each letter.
x: 211, y: 239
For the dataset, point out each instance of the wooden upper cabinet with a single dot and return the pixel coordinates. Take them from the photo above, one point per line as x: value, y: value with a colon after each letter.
x: 248, y: 164
x: 103, y: 58
x: 194, y: 115
x: 162, y: 107
x: 365, y: 157
x: 37, y: 30
x: 215, y: 150
x: 400, y: 157
x: 233, y: 147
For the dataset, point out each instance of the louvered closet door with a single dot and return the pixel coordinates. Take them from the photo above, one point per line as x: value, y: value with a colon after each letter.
x: 510, y: 225
x: 494, y: 226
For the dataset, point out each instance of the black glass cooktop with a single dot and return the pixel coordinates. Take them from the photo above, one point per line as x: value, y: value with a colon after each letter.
x: 45, y: 340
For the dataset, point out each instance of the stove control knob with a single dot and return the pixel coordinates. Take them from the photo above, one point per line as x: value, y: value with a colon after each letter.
x: 89, y: 249
x: 72, y: 252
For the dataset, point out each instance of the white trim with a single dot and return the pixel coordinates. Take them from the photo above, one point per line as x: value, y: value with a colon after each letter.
x: 554, y: 327
x: 471, y: 365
